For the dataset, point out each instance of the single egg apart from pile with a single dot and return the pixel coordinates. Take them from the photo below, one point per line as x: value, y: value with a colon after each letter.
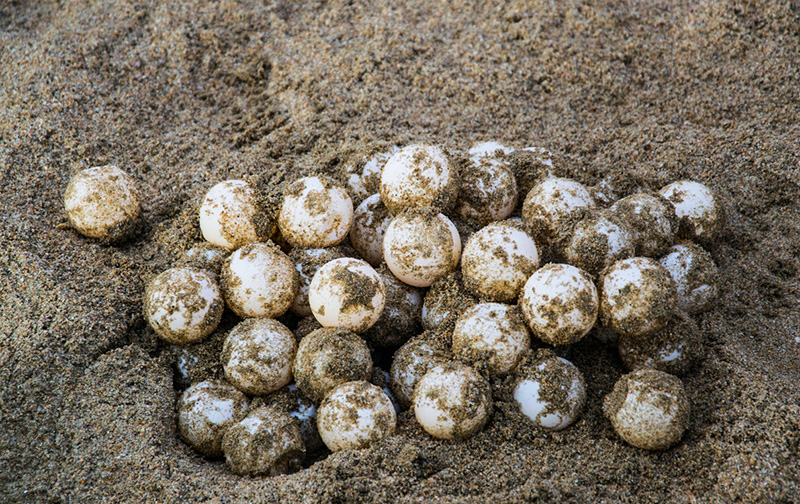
x: 307, y: 261
x: 421, y: 246
x: 652, y: 220
x: 491, y: 336
x: 695, y: 275
x: 700, y: 214
x: 550, y: 391
x: 257, y: 356
x: 551, y: 204
x: 638, y: 297
x: 230, y: 217
x: 498, y: 260
x: 452, y: 401
x: 418, y: 176
x: 369, y: 226
x: 411, y: 361
x: 259, y: 280
x: 355, y: 415
x: 267, y: 442
x: 205, y: 411
x: 672, y: 349
x: 648, y: 409
x: 347, y: 293
x: 315, y: 212
x: 183, y: 305
x: 597, y: 242
x: 559, y: 303
x: 103, y: 203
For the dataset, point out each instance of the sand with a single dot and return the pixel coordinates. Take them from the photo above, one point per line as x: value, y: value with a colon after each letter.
x: 183, y: 95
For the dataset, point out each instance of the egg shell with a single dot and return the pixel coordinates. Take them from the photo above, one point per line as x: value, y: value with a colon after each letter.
x: 301, y: 409
x: 695, y: 274
x: 652, y: 220
x: 552, y: 204
x: 412, y: 360
x: 307, y: 261
x: 363, y: 177
x: 418, y: 176
x: 257, y: 356
x: 348, y: 293
x: 230, y: 216
x: 401, y: 316
x: 489, y: 151
x: 488, y: 191
x: 445, y: 300
x: 355, y: 415
x: 204, y: 256
x: 700, y: 213
x: 550, y: 391
x: 673, y: 349
x: 491, y: 337
x: 597, y: 242
x: 205, y: 411
x: 267, y: 442
x: 369, y: 226
x: 315, y: 212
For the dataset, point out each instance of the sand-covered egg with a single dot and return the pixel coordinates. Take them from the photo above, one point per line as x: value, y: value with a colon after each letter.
x: 205, y: 411
x: 498, y: 260
x: 695, y: 274
x: 328, y: 357
x: 488, y: 189
x: 673, y: 349
x: 412, y: 360
x: 267, y: 442
x: 700, y: 213
x: 552, y: 204
x: 307, y: 261
x: 652, y: 220
x: 257, y: 356
x: 103, y: 203
x: 205, y: 256
x: 491, y: 337
x: 452, y: 401
x: 597, y: 242
x: 445, y: 299
x: 550, y: 391
x: 347, y: 293
x: 421, y: 246
x: 183, y: 305
x: 648, y: 409
x: 230, y: 216
x: 363, y: 177
x: 560, y: 304
x: 369, y: 225
x: 418, y: 176
x: 259, y: 280
x: 638, y: 297
x: 491, y: 151
x: 315, y: 212
x: 401, y: 317
x: 355, y: 415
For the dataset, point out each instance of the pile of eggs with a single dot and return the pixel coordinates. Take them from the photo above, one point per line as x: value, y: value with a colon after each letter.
x: 382, y: 280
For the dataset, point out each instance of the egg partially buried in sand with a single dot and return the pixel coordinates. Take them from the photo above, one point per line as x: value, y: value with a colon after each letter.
x: 315, y: 212
x: 355, y: 415
x: 418, y: 176
x: 348, y: 293
x: 230, y: 216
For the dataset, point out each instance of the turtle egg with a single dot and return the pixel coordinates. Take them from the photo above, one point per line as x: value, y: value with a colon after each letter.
x: 347, y: 293
x: 488, y: 190
x: 699, y: 212
x: 230, y: 217
x: 205, y: 411
x: 597, y: 242
x: 205, y: 256
x: 421, y: 246
x: 695, y: 275
x: 328, y: 357
x: 411, y: 362
x: 183, y: 305
x: 307, y: 261
x: 550, y: 392
x: 401, y: 316
x: 491, y: 336
x: 361, y: 181
x: 672, y: 349
x: 652, y: 220
x: 315, y: 212
x: 638, y: 297
x: 257, y: 356
x: 418, y: 176
x: 559, y: 303
x: 452, y: 401
x: 355, y: 415
x: 553, y: 203
x: 369, y: 225
x: 498, y: 259
x: 259, y: 280
x: 490, y: 151
x: 445, y: 299
x: 266, y: 442
x: 648, y: 409
x: 102, y: 202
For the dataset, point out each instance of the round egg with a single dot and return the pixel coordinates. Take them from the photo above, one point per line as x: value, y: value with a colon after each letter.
x: 363, y: 177
x: 648, y: 409
x: 446, y: 298
x: 183, y: 305
x: 205, y: 411
x: 498, y: 260
x: 369, y: 225
x: 695, y: 274
x: 267, y: 442
x: 452, y: 401
x: 488, y: 191
x: 418, y: 176
x: 401, y: 317
x: 257, y: 356
x: 328, y: 357
x: 551, y: 391
x: 491, y: 337
x: 347, y: 293
x: 552, y: 204
x: 103, y: 203
x: 412, y: 360
x: 205, y: 256
x: 699, y: 212
x: 651, y: 219
x: 301, y: 409
x: 230, y: 216
x: 315, y: 212
x: 259, y: 280
x: 672, y: 349
x: 355, y: 415
x: 559, y: 303
x: 421, y: 246
x: 597, y: 242
x: 307, y: 261
x: 638, y: 297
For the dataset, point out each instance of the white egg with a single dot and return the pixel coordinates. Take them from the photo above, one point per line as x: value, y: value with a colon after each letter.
x: 418, y: 176
x: 597, y: 242
x: 205, y: 411
x: 355, y: 415
x: 315, y: 212
x: 491, y: 336
x: 230, y: 216
x: 695, y: 274
x: 362, y: 181
x: 307, y: 261
x: 652, y: 220
x: 347, y: 293
x: 551, y: 392
x: 265, y: 443
x: 369, y: 225
x: 257, y: 356
x: 550, y: 204
x: 412, y: 360
x: 700, y: 213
